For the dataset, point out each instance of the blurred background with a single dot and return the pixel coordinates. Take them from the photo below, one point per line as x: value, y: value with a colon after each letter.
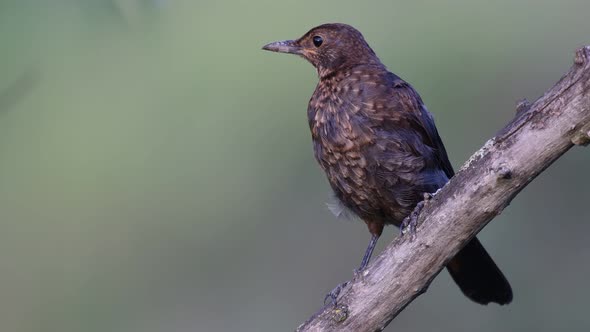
x: 156, y: 168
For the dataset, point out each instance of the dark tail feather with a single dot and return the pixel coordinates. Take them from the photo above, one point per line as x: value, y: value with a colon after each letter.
x: 478, y: 276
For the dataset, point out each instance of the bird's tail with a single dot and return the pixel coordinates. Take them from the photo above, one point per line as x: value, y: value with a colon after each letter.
x: 478, y: 276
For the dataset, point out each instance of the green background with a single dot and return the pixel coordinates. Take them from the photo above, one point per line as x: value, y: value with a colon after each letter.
x: 156, y: 171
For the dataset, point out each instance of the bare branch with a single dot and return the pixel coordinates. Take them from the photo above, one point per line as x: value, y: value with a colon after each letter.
x: 538, y: 135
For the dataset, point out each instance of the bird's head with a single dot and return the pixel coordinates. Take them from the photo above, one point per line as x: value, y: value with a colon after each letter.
x: 329, y: 48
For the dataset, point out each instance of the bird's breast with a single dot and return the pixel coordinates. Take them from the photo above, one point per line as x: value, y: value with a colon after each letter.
x: 340, y: 141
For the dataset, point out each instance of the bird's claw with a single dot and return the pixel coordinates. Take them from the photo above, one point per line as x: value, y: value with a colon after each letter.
x: 333, y: 294
x: 410, y: 223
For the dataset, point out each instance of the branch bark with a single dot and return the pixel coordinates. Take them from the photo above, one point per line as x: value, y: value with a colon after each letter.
x: 538, y: 135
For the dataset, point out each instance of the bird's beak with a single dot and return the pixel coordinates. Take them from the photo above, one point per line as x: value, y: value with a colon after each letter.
x: 285, y: 46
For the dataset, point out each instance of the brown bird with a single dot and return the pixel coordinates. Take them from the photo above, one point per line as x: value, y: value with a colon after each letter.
x: 379, y: 147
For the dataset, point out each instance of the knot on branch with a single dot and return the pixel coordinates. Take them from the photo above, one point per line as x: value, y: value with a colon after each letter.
x: 340, y: 313
x: 522, y: 106
x: 582, y: 136
x: 582, y: 56
x: 503, y: 172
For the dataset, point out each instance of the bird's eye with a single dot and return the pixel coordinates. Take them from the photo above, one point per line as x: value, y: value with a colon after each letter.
x: 317, y: 41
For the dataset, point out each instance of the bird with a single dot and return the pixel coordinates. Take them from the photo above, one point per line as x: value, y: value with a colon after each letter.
x: 379, y: 147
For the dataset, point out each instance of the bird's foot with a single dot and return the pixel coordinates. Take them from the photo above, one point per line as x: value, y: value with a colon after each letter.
x: 428, y: 196
x: 410, y: 223
x: 333, y: 294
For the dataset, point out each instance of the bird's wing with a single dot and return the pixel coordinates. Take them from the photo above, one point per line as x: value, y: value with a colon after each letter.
x: 422, y: 122
x: 392, y: 105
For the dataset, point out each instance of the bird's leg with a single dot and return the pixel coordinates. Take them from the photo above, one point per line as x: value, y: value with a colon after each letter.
x: 333, y: 294
x: 368, y: 253
x: 411, y: 221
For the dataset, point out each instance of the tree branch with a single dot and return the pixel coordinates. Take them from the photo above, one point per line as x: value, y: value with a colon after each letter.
x: 538, y: 135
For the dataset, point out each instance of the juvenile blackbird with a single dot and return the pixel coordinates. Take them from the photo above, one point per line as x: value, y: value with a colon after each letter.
x: 379, y: 147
